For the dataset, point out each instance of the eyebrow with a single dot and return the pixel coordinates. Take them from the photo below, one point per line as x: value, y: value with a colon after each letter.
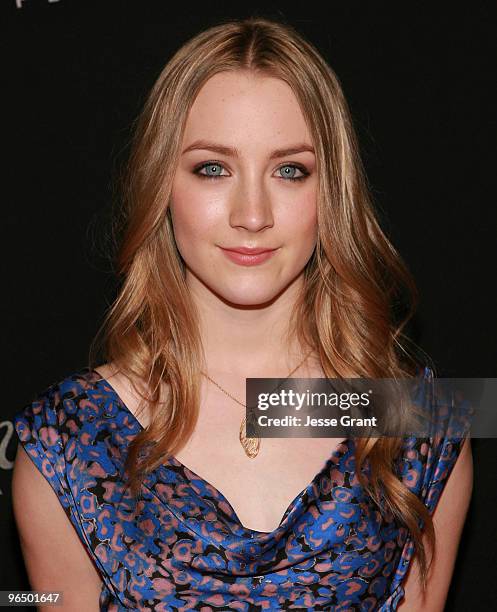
x: 234, y: 152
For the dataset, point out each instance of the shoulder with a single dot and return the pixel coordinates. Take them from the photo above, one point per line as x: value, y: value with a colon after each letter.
x: 50, y: 411
x: 48, y: 432
x: 426, y: 462
x: 48, y: 489
x: 76, y: 435
x: 126, y: 391
x: 72, y: 421
x: 448, y: 501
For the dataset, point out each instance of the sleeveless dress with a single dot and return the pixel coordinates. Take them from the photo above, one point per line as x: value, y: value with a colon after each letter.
x: 180, y: 546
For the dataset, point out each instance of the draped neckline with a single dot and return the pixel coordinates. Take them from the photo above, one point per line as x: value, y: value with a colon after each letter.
x: 330, y: 464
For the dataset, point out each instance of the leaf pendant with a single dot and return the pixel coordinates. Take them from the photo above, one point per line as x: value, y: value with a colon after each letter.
x: 250, y: 445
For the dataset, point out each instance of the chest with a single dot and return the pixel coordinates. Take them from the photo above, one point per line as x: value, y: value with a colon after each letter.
x: 261, y: 489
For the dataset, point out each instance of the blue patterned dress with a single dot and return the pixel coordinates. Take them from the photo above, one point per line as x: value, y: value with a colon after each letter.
x: 180, y: 546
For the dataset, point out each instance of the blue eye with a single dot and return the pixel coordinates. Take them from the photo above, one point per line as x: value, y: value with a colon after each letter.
x: 305, y: 174
x: 288, y: 174
x: 209, y: 165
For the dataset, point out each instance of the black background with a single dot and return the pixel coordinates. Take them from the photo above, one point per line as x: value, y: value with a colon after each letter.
x: 417, y: 76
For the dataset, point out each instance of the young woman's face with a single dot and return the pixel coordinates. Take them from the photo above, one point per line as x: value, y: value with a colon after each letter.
x: 245, y: 141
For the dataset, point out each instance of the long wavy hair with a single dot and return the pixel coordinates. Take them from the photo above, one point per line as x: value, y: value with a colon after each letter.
x: 348, y: 312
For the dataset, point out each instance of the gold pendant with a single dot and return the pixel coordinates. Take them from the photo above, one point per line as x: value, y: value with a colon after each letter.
x: 250, y: 445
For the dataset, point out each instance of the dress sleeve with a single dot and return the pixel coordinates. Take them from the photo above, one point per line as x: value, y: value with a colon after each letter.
x: 37, y: 428
x: 42, y: 429
x: 58, y: 431
x: 426, y: 464
x: 443, y: 447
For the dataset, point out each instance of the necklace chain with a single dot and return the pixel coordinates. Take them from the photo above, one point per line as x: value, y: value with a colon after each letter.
x: 250, y: 445
x: 238, y: 401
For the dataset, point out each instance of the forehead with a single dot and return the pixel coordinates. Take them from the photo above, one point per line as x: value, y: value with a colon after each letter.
x: 236, y: 107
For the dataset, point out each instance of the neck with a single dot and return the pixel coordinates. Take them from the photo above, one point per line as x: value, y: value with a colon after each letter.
x: 247, y: 341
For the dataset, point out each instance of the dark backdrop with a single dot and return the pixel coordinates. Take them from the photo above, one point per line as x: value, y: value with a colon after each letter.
x: 417, y: 76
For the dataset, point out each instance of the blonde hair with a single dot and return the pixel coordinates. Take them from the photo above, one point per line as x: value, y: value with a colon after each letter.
x: 353, y: 281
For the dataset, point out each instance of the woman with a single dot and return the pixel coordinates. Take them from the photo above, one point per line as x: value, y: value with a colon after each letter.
x: 245, y: 145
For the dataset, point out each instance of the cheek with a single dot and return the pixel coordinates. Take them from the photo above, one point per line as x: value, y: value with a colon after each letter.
x: 194, y: 217
x: 301, y: 231
x: 300, y: 220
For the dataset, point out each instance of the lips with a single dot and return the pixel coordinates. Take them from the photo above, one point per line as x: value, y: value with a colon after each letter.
x: 248, y: 250
x: 247, y: 256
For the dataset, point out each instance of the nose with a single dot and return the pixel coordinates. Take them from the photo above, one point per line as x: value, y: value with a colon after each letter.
x: 251, y: 207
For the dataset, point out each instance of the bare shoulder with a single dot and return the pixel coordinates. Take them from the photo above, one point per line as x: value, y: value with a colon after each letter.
x: 55, y: 557
x: 120, y: 383
x: 448, y: 520
x: 128, y: 391
x: 109, y: 371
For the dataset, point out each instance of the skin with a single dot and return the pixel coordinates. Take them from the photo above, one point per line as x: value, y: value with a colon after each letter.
x: 252, y: 203
x: 448, y: 520
x: 243, y: 313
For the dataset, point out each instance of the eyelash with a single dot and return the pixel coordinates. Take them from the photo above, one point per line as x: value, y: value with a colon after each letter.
x: 214, y: 163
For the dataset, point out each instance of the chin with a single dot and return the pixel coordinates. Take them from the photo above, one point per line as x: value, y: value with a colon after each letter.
x: 256, y: 296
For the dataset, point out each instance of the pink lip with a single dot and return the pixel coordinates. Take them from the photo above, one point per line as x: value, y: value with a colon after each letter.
x: 248, y: 257
x: 247, y: 250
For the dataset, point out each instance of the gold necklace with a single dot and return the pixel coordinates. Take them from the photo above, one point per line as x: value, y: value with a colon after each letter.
x: 251, y: 446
